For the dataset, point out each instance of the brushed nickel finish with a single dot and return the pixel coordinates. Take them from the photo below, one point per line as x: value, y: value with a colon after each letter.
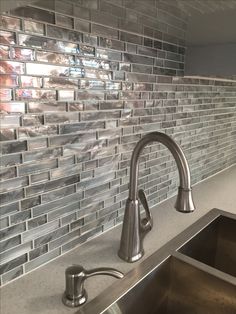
x: 75, y: 293
x: 171, y: 281
x: 134, y: 229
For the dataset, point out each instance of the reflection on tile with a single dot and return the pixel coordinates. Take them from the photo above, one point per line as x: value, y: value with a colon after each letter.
x: 7, y: 38
x: 65, y: 95
x: 5, y: 94
x: 8, y: 80
x: 12, y: 107
x: 4, y: 52
x: 45, y: 56
x: 22, y: 54
x: 113, y: 85
x: 87, y: 50
x: 63, y: 20
x: 46, y: 43
x: 34, y: 27
x: 31, y: 81
x: 11, y: 67
x: 108, y: 54
x: 46, y: 107
x: 98, y: 74
x: 92, y: 84
x: 10, y: 120
x: 60, y: 82
x: 24, y: 94
x: 46, y: 70
x: 77, y: 72
x: 10, y: 22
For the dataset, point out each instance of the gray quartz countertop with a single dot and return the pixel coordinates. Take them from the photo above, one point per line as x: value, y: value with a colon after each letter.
x: 40, y: 291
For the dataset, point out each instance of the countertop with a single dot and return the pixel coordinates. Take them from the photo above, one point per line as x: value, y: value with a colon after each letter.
x: 40, y: 291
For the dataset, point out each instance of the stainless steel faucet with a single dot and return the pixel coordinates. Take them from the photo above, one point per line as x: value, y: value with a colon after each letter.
x: 134, y: 229
x: 75, y: 294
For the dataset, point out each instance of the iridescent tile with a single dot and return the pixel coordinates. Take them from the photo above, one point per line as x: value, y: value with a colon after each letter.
x: 92, y: 84
x: 61, y: 117
x: 31, y: 81
x: 36, y: 131
x: 34, y: 27
x: 63, y: 20
x: 22, y: 94
x: 32, y: 120
x: 22, y: 54
x: 90, y: 40
x: 34, y: 107
x: 46, y: 70
x: 7, y: 38
x: 12, y: 107
x: 7, y: 134
x: 98, y: 74
x: 34, y: 14
x: 11, y: 67
x: 87, y: 50
x: 10, y: 22
x: 113, y: 85
x: 82, y: 26
x: 4, y: 52
x: 47, y: 43
x: 60, y: 82
x: 77, y: 72
x: 64, y: 34
x: 8, y: 80
x: 37, y: 143
x: 10, y: 121
x: 90, y: 95
x: 5, y: 94
x: 45, y: 56
x: 108, y: 54
x: 65, y: 95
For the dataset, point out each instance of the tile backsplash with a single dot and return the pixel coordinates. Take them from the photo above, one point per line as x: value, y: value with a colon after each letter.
x: 82, y: 82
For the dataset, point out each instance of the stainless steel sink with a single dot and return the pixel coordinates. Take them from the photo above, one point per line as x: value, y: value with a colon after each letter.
x: 187, y: 275
x: 215, y: 245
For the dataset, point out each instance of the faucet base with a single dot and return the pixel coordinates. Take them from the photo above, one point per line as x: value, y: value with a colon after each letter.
x: 77, y: 301
x: 131, y: 259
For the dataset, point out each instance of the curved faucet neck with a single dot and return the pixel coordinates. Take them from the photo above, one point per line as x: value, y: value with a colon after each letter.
x: 176, y: 151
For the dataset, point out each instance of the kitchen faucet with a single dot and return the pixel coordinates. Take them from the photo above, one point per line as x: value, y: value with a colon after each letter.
x: 134, y: 229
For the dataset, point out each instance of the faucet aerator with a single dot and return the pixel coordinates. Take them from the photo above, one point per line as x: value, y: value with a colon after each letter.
x: 184, y: 202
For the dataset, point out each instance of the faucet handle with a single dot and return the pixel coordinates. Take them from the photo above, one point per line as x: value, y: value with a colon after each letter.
x: 147, y: 222
x: 75, y: 294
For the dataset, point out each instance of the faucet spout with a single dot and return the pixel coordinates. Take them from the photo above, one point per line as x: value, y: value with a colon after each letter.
x: 131, y: 248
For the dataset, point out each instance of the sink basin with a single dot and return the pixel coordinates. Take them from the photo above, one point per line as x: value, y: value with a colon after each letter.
x: 177, y: 287
x: 193, y: 273
x: 215, y: 245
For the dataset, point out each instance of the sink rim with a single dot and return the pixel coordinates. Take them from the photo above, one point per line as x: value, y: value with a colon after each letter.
x: 119, y: 288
